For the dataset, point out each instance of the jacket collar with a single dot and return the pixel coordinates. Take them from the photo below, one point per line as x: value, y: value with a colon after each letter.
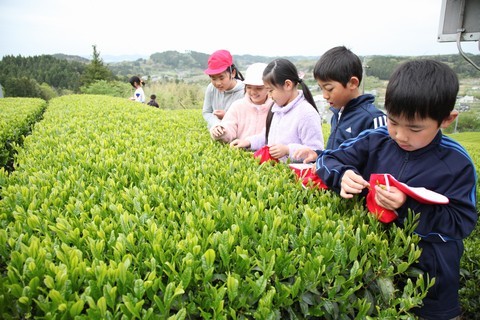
x: 278, y: 109
x: 238, y: 87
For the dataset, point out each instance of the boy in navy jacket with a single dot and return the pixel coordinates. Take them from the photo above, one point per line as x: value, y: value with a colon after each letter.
x: 419, y: 101
x: 339, y: 73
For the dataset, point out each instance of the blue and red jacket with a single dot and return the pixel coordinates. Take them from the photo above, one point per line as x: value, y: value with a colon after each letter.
x: 443, y: 166
x: 359, y: 114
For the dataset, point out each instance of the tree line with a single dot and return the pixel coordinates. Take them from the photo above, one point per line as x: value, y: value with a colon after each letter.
x: 383, y: 66
x: 46, y: 76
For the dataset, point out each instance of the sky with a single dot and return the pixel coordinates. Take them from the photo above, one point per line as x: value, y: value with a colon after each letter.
x: 256, y: 27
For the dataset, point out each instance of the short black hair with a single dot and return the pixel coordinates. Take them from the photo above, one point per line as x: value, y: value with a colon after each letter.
x: 422, y: 88
x: 153, y: 96
x: 338, y: 64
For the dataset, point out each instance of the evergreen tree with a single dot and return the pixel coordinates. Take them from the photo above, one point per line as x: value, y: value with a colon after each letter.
x: 22, y: 87
x: 96, y: 70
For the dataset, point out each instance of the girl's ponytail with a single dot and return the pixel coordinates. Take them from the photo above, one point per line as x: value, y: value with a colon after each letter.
x: 238, y: 74
x: 307, y: 94
x: 268, y: 123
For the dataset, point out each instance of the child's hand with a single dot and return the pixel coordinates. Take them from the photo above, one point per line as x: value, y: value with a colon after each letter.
x: 240, y: 143
x: 307, y: 154
x: 352, y: 184
x: 217, y: 131
x: 389, y: 198
x: 278, y: 150
x: 219, y: 114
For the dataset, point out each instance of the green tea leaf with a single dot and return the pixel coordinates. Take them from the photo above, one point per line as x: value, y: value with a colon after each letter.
x: 209, y: 258
x: 77, y: 308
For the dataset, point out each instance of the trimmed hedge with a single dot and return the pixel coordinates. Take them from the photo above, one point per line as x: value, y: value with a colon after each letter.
x: 18, y: 116
x: 119, y: 210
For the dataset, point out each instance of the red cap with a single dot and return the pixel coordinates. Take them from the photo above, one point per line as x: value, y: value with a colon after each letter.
x: 218, y: 62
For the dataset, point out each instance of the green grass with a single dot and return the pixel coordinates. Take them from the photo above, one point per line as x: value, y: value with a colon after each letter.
x: 467, y: 138
x: 471, y: 142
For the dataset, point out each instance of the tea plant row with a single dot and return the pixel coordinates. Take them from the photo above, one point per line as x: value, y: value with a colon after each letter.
x: 17, y: 117
x: 116, y: 210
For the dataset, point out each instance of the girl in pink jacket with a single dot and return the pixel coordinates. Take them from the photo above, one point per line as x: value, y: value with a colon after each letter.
x: 247, y: 116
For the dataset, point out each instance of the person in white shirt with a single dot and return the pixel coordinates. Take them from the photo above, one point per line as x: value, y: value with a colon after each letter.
x: 139, y: 95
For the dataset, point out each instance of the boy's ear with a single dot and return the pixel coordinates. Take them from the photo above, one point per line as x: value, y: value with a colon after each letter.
x: 448, y: 120
x: 354, y: 82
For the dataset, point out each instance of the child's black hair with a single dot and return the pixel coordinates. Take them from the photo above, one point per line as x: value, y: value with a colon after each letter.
x: 134, y: 79
x: 238, y: 74
x: 422, y: 88
x: 338, y: 64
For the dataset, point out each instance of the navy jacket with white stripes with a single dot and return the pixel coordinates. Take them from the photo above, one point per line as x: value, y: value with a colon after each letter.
x: 443, y: 166
x: 359, y: 114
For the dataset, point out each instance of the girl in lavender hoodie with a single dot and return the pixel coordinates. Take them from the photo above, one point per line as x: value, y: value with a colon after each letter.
x: 294, y: 121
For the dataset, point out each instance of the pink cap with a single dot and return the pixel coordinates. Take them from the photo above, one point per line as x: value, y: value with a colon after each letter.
x: 218, y: 62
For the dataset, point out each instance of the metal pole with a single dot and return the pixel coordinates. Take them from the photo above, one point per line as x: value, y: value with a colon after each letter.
x: 364, y: 73
x: 456, y: 124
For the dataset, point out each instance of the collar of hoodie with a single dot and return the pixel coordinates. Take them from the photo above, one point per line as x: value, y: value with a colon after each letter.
x: 277, y: 109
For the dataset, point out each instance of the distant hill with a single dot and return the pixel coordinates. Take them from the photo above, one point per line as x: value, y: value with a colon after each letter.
x: 70, y: 57
x: 120, y: 58
x: 106, y: 58
x: 189, y: 65
x: 171, y: 61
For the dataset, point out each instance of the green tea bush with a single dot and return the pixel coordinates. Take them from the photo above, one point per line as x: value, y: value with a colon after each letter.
x: 470, y: 264
x: 18, y: 115
x: 109, y: 88
x: 121, y: 211
x: 466, y: 122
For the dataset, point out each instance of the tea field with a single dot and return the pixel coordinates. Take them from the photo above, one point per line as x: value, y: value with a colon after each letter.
x: 116, y: 210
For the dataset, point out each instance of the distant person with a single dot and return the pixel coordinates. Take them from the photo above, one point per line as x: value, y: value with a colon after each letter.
x: 419, y: 101
x: 225, y: 87
x: 339, y: 73
x: 138, y: 95
x: 153, y: 101
x: 294, y: 121
x: 246, y: 116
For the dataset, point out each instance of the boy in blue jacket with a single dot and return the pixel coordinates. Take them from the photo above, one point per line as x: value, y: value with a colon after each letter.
x: 339, y: 73
x: 419, y: 101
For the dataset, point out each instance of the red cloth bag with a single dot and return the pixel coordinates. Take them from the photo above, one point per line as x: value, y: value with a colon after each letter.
x: 306, y: 174
x: 264, y: 154
x: 382, y: 214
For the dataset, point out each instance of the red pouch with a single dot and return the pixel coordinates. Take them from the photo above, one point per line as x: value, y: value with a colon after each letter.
x: 264, y: 154
x: 382, y: 214
x: 420, y: 194
x: 306, y: 174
